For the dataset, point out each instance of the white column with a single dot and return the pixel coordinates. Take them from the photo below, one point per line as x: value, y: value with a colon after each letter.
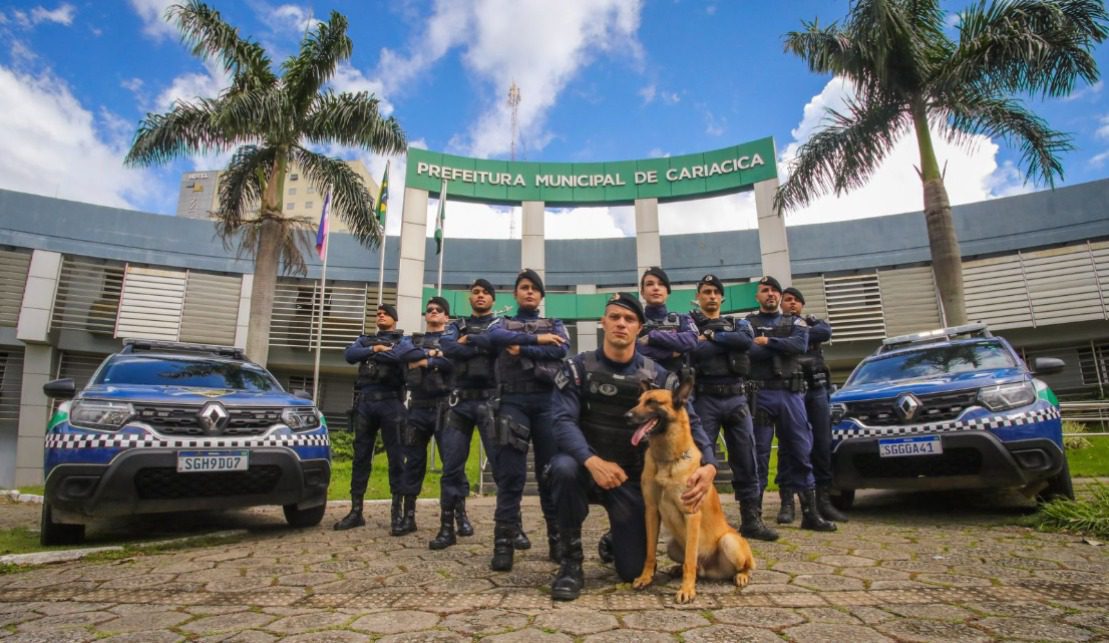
x: 648, y: 246
x: 587, y: 330
x: 33, y: 330
x: 773, y: 244
x: 533, y: 250
x: 410, y: 274
x: 38, y: 297
x: 242, y: 323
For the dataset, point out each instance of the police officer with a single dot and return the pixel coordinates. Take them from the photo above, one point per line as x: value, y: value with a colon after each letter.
x: 776, y: 372
x: 597, y: 461
x: 722, y: 364
x: 817, y: 404
x: 474, y: 389
x: 380, y: 405
x: 427, y: 378
x: 529, y: 353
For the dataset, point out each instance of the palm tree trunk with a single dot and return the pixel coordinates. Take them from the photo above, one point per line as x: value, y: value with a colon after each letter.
x: 947, y: 262
x: 261, y: 292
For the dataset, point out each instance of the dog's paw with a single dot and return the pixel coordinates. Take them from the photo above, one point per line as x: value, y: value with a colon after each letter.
x: 742, y: 578
x: 685, y: 594
x: 643, y: 581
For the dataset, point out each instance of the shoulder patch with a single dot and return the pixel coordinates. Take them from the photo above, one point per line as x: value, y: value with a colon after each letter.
x: 567, y: 374
x: 797, y: 321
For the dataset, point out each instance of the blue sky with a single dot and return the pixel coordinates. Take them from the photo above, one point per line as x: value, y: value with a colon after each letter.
x: 600, y: 80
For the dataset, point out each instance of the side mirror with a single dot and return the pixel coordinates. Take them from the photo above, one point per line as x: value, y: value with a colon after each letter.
x: 1047, y: 365
x: 302, y: 394
x: 63, y: 389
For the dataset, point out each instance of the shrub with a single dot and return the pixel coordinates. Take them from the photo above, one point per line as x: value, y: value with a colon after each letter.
x: 1089, y: 517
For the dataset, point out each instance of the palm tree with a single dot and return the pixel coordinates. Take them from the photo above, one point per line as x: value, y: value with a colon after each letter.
x: 909, y: 75
x: 268, y: 120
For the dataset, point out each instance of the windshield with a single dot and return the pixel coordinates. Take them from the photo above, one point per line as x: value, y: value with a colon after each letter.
x: 937, y: 361
x: 165, y: 371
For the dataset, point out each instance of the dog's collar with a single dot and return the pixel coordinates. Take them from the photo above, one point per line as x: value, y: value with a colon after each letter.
x: 688, y: 454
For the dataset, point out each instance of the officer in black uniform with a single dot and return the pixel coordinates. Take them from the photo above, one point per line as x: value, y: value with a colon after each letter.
x: 597, y: 460
x: 380, y: 405
x: 817, y: 404
x: 427, y: 378
x: 530, y: 350
x: 722, y: 366
x: 779, y: 341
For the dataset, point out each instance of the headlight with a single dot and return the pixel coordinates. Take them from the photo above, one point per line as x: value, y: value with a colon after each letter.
x: 1007, y: 396
x: 839, y: 410
x: 300, y: 418
x: 98, y: 414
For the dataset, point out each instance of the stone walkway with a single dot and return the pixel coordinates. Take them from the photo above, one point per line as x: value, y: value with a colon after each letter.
x: 906, y: 568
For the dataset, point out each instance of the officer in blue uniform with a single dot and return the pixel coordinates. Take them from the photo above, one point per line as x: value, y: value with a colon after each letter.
x: 776, y: 374
x: 471, y: 404
x: 817, y: 404
x: 529, y: 349
x: 427, y: 378
x: 722, y: 366
x: 380, y: 406
x: 597, y: 460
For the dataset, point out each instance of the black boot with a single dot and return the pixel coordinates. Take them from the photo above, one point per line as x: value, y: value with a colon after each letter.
x: 464, y: 526
x: 604, y: 548
x: 520, y: 540
x: 751, y: 524
x: 827, y: 509
x: 554, y: 544
x: 503, y: 533
x: 570, y: 579
x: 354, y: 518
x: 445, y: 538
x: 408, y: 517
x: 810, y: 513
x: 396, y: 514
x: 787, y: 513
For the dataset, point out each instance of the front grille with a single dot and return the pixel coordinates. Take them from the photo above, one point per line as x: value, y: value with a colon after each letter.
x: 160, y: 483
x: 952, y: 462
x: 936, y: 407
x: 182, y: 420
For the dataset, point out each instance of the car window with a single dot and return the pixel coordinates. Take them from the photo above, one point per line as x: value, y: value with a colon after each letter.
x: 186, y: 372
x: 935, y: 361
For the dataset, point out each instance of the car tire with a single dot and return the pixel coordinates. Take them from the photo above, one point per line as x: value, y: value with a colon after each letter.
x: 304, y: 517
x: 53, y: 533
x: 842, y: 499
x: 1059, y: 486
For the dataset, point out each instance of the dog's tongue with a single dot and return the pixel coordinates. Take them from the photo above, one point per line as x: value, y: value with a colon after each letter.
x: 643, y: 430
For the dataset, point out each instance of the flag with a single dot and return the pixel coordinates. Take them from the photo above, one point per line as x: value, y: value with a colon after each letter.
x: 383, y: 197
x: 322, y: 231
x: 440, y: 217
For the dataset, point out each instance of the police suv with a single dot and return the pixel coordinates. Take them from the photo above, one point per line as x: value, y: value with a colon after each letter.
x: 953, y: 408
x: 167, y: 426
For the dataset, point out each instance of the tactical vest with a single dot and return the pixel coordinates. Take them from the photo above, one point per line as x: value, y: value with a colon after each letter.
x: 672, y: 323
x: 381, y: 374
x: 520, y: 370
x: 813, y: 365
x: 478, y: 370
x: 605, y: 398
x: 782, y: 366
x: 425, y: 381
x: 731, y: 363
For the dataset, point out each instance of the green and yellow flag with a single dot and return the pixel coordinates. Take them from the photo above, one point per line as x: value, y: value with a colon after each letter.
x: 439, y: 218
x: 383, y: 198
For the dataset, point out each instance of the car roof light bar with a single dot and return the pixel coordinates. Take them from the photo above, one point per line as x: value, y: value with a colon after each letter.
x: 144, y: 345
x: 976, y: 329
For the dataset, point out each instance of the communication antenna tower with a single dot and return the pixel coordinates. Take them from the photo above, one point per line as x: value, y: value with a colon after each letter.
x: 513, y: 104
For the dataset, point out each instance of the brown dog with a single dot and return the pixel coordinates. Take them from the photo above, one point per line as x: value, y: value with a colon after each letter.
x: 703, y: 541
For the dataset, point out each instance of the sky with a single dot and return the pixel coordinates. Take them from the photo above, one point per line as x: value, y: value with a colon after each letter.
x: 600, y: 80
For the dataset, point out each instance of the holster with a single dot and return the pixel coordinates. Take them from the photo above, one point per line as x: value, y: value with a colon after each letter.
x: 735, y: 417
x: 512, y: 434
x: 797, y: 383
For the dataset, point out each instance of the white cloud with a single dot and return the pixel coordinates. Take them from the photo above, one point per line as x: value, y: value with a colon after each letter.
x: 289, y: 18
x: 729, y: 212
x: 349, y: 79
x: 1086, y: 92
x: 1103, y: 128
x: 652, y: 92
x: 63, y: 15
x: 153, y: 16
x: 648, y: 93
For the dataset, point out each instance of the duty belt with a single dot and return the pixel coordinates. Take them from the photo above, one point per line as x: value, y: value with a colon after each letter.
x: 730, y: 389
x: 376, y: 396
x: 774, y: 385
x: 525, y: 387
x: 473, y: 393
x: 424, y: 402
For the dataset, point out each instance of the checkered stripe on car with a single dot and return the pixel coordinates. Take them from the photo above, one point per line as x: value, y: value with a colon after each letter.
x: 131, y: 440
x: 980, y: 424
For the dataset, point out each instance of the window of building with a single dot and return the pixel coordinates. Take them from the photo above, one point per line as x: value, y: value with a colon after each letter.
x: 308, y: 204
x: 292, y: 191
x: 290, y: 205
x: 198, y: 187
x: 311, y: 189
x: 293, y: 177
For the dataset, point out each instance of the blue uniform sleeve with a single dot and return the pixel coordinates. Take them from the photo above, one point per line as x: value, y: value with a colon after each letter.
x: 565, y: 411
x: 819, y: 330
x: 498, y: 337
x: 549, y: 351
x: 359, y: 350
x: 682, y: 340
x: 395, y: 354
x: 452, y: 349
x: 797, y: 342
x: 736, y: 340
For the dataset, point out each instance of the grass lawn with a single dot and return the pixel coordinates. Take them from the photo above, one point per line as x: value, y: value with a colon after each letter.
x: 379, y: 477
x: 1091, y: 462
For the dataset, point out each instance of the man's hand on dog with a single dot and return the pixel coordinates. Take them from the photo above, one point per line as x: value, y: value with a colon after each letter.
x: 607, y: 475
x: 697, y: 486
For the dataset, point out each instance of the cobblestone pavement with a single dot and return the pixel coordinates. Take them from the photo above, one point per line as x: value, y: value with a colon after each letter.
x: 903, y: 569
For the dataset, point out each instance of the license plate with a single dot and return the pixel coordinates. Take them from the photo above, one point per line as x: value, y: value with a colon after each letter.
x: 920, y: 445
x: 202, y: 461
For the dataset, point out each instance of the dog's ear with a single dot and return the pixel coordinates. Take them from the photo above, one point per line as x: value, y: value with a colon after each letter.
x: 685, y: 387
x: 644, y: 386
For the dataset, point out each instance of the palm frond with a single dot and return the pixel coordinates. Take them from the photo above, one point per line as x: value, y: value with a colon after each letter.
x: 297, y: 240
x: 188, y: 128
x: 842, y: 156
x: 255, y: 116
x: 350, y: 200
x: 240, y: 187
x: 205, y: 31
x: 320, y: 53
x: 353, y: 120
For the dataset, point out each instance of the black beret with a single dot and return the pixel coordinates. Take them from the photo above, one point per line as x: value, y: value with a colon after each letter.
x: 772, y: 282
x: 625, y: 300
x: 486, y: 285
x: 442, y: 303
x: 533, y: 277
x: 796, y: 294
x: 711, y: 280
x: 390, y: 310
x: 658, y: 272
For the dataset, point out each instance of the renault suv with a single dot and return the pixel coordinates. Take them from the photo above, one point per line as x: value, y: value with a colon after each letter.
x: 168, y: 426
x: 952, y: 408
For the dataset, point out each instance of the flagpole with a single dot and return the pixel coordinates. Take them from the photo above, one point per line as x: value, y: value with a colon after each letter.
x: 384, y: 220
x: 323, y: 287
x: 443, y: 235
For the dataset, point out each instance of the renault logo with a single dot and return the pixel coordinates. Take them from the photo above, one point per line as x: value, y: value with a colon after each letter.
x: 907, y: 405
x: 213, y: 417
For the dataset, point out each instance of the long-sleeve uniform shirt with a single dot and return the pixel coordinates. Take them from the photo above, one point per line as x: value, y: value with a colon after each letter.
x: 718, y: 346
x: 662, y: 344
x: 763, y: 357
